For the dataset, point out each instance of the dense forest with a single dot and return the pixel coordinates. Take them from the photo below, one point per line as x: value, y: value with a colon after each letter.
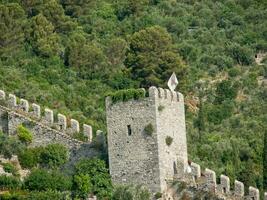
x: 69, y: 54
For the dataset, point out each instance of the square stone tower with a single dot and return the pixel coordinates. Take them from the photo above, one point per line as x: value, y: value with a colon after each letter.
x: 147, y: 139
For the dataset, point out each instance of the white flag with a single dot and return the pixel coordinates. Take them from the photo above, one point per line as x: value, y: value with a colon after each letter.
x: 173, y: 82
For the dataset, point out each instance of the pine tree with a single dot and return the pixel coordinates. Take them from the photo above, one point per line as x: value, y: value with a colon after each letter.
x: 152, y: 58
x: 12, y: 22
x: 43, y: 38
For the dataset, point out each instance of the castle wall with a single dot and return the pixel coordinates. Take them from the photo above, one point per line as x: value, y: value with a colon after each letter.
x: 171, y: 123
x: 45, y: 127
x: 143, y: 159
x: 133, y: 159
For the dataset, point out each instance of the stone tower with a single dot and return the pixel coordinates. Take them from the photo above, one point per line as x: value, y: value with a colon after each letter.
x: 135, y: 155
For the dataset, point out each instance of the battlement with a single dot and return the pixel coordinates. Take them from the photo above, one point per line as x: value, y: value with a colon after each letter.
x: 153, y: 94
x: 207, y: 181
x: 45, y: 116
x: 165, y: 94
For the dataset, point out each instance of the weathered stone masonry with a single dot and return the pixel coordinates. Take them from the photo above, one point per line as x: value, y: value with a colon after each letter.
x: 46, y: 129
x: 138, y: 158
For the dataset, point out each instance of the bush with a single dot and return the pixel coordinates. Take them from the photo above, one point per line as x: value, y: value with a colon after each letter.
x: 30, y: 158
x: 10, y: 145
x: 54, y: 155
x: 168, y: 140
x: 125, y: 95
x: 9, y: 182
x: 9, y: 168
x: 99, y: 177
x: 158, y: 195
x: 149, y: 129
x: 42, y: 180
x: 161, y: 108
x: 24, y: 134
x: 82, y: 185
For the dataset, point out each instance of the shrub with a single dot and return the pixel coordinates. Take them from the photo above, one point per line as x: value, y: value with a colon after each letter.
x: 125, y: 95
x: 99, y: 177
x: 10, y: 145
x: 9, y: 182
x: 158, y: 195
x: 82, y: 185
x: 168, y: 140
x: 161, y: 108
x: 54, y: 155
x: 24, y: 134
x: 42, y: 180
x: 9, y: 168
x: 30, y: 158
x: 149, y: 129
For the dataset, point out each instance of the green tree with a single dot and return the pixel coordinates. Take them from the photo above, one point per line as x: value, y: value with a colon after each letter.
x: 54, y: 13
x: 226, y: 90
x: 115, y: 51
x: 98, y: 173
x: 82, y: 185
x: 54, y: 155
x: 43, y: 38
x: 12, y: 23
x: 152, y: 58
x: 85, y: 56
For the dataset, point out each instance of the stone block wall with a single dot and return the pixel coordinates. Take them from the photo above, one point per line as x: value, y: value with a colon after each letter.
x: 222, y: 189
x: 138, y: 158
x: 45, y: 127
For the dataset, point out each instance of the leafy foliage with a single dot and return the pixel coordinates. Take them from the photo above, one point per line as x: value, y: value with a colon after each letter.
x: 42, y: 180
x: 149, y: 129
x: 168, y: 140
x: 24, y: 134
x: 68, y: 54
x: 125, y: 95
x: 10, y: 168
x: 92, y: 175
x: 54, y: 155
x: 9, y: 182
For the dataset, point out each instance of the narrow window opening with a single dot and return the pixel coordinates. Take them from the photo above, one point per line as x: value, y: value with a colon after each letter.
x: 174, y: 168
x: 129, y: 130
x: 224, y: 190
x: 61, y: 127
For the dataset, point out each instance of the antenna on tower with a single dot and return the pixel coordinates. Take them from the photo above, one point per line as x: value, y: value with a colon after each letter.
x: 173, y: 82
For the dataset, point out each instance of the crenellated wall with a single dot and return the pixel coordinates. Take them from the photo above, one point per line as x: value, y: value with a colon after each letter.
x: 45, y: 127
x: 34, y: 112
x: 207, y: 182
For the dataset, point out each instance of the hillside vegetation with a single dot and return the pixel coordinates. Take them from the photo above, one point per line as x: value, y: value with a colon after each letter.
x: 68, y: 54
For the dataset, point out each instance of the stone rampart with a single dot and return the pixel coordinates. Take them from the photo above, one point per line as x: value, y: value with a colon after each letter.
x: 207, y: 181
x: 19, y: 110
